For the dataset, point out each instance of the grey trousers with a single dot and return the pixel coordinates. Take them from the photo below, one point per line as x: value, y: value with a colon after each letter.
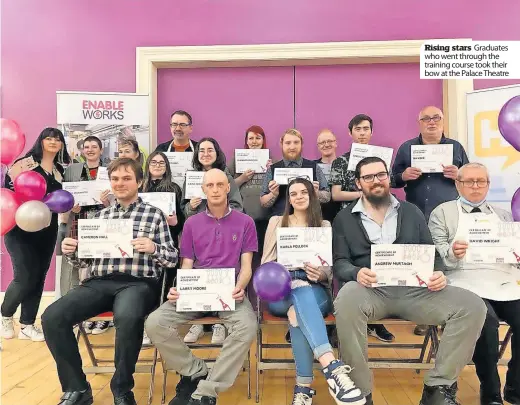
x: 462, y: 311
x: 162, y: 328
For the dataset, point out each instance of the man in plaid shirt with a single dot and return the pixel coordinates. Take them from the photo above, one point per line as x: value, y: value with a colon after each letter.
x: 127, y: 286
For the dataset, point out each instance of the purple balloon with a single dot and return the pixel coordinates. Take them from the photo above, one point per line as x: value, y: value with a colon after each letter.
x: 59, y: 201
x: 509, y: 122
x: 515, y: 205
x: 272, y: 282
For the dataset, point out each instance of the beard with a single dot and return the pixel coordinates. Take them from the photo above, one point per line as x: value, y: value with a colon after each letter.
x: 378, y: 201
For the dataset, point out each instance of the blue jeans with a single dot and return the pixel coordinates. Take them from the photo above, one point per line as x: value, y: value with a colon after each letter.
x: 309, y: 339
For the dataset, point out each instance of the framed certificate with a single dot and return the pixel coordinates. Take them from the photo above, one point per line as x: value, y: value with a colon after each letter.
x: 205, y: 290
x: 431, y: 158
x: 251, y: 159
x: 194, y: 185
x: 164, y: 201
x: 296, y: 246
x: 282, y: 175
x: 402, y: 265
x: 105, y: 238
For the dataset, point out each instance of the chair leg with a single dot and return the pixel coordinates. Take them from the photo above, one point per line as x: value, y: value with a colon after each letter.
x: 504, y: 344
x: 152, y: 377
x: 258, y: 361
x: 165, y: 374
x: 249, y: 374
x: 90, y: 351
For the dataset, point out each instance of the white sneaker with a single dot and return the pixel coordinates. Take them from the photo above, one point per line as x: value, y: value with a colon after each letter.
x: 146, y: 340
x: 88, y: 326
x: 219, y: 334
x: 100, y: 327
x: 341, y: 387
x: 7, y: 327
x: 31, y: 332
x: 194, y: 334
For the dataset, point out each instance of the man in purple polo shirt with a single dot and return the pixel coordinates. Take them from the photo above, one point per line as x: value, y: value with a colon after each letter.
x: 217, y: 238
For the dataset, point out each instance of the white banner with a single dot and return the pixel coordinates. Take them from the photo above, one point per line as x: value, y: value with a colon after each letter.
x: 108, y: 116
x: 487, y: 146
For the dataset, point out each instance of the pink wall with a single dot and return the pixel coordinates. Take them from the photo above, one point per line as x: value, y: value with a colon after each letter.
x: 90, y: 45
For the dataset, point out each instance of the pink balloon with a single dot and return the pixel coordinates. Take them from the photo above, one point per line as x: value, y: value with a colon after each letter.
x: 12, y: 141
x: 8, y: 206
x: 29, y: 186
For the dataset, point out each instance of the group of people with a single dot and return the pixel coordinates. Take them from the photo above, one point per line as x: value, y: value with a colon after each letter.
x: 235, y: 227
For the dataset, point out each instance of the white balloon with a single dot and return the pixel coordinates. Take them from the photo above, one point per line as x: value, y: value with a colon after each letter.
x: 33, y: 216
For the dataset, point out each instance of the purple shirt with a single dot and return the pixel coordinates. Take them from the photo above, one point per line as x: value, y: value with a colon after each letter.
x: 218, y: 243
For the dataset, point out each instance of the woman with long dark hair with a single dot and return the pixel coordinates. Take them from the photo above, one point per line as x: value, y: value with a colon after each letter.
x: 31, y: 252
x: 250, y: 187
x: 309, y: 301
x: 208, y: 155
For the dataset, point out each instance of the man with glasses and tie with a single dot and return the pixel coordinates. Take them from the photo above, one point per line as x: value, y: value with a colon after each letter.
x: 380, y: 218
x: 497, y: 284
x: 428, y: 190
x: 181, y: 126
x: 274, y: 194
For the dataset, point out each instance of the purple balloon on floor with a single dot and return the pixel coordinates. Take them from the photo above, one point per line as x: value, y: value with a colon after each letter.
x: 509, y: 122
x: 515, y: 205
x: 272, y: 282
x: 59, y: 201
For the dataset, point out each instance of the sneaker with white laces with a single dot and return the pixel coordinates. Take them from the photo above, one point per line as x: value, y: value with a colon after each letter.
x: 100, y: 327
x: 88, y: 326
x: 219, y: 334
x: 194, y: 334
x: 146, y: 339
x: 341, y: 387
x: 31, y: 332
x: 302, y: 395
x: 7, y: 327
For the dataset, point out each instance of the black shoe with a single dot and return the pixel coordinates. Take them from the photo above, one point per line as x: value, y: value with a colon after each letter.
x: 127, y: 399
x: 512, y: 395
x: 203, y: 401
x: 439, y: 395
x: 288, y: 337
x: 77, y: 397
x: 420, y: 330
x: 490, y: 399
x: 369, y: 400
x: 184, y: 389
x: 380, y: 332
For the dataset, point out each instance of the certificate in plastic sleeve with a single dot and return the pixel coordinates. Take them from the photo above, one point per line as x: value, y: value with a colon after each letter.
x: 205, y: 290
x: 296, y: 246
x: 282, y: 175
x: 402, y: 265
x: 164, y: 201
x: 493, y: 242
x: 105, y: 238
x: 251, y: 159
x: 359, y: 151
x: 194, y: 185
x: 180, y: 163
x: 431, y: 158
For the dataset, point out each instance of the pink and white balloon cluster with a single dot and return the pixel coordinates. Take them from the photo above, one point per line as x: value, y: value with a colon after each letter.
x: 28, y: 206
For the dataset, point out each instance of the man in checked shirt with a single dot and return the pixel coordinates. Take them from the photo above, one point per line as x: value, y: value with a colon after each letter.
x: 127, y: 286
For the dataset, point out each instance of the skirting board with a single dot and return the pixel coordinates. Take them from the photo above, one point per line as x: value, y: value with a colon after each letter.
x: 47, y: 299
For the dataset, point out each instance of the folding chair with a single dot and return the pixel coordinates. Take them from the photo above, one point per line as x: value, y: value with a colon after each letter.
x: 143, y: 366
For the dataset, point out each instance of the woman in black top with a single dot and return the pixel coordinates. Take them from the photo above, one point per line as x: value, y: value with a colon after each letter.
x: 31, y: 252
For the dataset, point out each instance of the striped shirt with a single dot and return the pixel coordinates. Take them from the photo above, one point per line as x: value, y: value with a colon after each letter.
x: 149, y: 222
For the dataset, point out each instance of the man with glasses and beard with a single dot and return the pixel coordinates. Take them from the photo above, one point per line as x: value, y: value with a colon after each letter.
x: 380, y: 218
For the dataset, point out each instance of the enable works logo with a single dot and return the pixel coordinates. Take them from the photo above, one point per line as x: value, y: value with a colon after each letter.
x: 109, y: 110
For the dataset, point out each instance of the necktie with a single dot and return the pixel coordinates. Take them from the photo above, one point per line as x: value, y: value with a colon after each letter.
x: 476, y: 209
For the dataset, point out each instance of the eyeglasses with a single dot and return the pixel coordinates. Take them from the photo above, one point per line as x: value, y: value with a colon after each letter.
x: 179, y: 124
x: 435, y: 118
x: 329, y: 142
x: 471, y: 183
x: 154, y: 163
x: 369, y: 178
x: 290, y: 179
